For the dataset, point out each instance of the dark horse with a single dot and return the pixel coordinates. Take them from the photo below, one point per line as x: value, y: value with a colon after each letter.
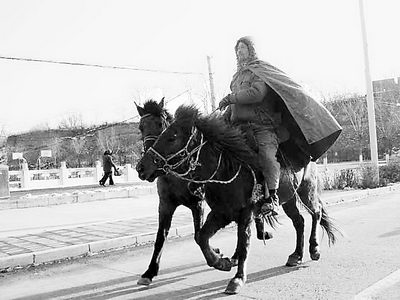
x: 154, y: 118
x: 206, y: 151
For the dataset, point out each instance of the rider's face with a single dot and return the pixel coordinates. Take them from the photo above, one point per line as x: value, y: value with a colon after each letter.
x: 242, y: 51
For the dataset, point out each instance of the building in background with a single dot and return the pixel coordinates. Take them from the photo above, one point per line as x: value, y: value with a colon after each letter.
x: 387, y: 89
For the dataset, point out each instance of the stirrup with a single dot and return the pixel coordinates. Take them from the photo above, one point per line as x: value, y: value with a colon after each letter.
x: 271, y: 207
x: 268, y: 209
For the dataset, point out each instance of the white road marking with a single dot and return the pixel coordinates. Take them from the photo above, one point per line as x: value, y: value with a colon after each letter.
x: 378, y: 286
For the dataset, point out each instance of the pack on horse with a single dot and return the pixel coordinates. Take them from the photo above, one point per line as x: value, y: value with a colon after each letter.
x: 205, y: 150
x: 154, y: 118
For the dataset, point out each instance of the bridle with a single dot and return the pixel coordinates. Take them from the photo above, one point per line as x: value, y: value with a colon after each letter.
x: 165, y: 163
x: 192, y: 157
x: 149, y: 138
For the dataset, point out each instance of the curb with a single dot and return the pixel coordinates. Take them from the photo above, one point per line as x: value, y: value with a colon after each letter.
x: 63, y: 253
x: 361, y: 194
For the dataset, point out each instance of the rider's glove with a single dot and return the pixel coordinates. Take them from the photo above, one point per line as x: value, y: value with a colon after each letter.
x: 227, y: 100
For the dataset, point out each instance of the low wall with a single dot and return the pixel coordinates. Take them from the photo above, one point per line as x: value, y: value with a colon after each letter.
x: 77, y: 196
x: 26, y: 179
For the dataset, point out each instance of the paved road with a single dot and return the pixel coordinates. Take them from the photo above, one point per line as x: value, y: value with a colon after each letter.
x: 364, y: 263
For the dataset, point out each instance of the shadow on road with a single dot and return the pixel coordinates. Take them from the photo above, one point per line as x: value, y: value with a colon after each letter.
x: 127, y: 287
x: 390, y: 233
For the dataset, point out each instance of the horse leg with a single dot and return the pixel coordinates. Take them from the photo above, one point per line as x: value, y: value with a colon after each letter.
x: 261, y: 235
x: 213, y: 223
x: 198, y: 220
x: 314, y: 237
x: 243, y: 244
x: 164, y: 223
x: 310, y: 197
x: 293, y: 213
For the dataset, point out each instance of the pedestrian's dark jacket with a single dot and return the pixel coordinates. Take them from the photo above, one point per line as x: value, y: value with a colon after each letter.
x: 108, y: 164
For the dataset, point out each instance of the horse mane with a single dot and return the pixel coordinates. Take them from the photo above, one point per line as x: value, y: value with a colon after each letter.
x: 151, y: 107
x: 218, y: 133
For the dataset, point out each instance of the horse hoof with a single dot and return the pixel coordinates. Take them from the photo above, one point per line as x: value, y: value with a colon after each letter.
x: 234, y: 286
x: 234, y: 262
x: 223, y: 264
x: 144, y: 281
x: 294, y: 260
x: 315, y: 255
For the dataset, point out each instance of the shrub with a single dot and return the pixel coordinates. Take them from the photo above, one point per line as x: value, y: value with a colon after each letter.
x: 346, y: 179
x: 367, y: 177
x: 326, y: 179
x: 390, y: 173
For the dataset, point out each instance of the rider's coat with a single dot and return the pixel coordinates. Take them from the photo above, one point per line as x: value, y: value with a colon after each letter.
x: 310, y: 124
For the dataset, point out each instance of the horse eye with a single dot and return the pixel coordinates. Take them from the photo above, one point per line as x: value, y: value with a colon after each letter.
x: 156, y: 160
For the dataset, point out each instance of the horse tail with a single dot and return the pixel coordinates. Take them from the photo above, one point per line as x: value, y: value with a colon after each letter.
x: 329, y: 226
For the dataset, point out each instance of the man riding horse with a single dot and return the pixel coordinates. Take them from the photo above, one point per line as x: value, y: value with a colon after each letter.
x: 274, y: 110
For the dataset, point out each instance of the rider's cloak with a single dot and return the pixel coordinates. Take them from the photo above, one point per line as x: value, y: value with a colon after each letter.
x: 302, y: 114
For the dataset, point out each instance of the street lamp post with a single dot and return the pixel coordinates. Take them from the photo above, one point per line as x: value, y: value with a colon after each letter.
x: 370, y: 98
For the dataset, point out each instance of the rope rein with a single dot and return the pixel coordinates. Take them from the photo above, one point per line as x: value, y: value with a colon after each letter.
x: 187, y: 155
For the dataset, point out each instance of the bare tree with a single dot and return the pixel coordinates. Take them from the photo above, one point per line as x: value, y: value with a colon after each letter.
x: 351, y: 112
x: 72, y: 122
x: 78, y: 145
x: 388, y: 123
x: 356, y: 110
x: 55, y: 147
x: 107, y: 139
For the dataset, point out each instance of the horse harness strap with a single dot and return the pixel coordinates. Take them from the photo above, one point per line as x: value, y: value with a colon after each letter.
x: 209, y: 180
x: 193, y: 163
x: 184, y: 153
x: 164, y: 123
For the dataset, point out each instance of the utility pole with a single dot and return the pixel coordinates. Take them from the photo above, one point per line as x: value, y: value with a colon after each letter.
x: 370, y: 98
x: 210, y: 74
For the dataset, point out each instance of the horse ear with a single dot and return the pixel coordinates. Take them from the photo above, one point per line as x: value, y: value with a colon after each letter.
x: 139, y: 109
x: 161, y: 104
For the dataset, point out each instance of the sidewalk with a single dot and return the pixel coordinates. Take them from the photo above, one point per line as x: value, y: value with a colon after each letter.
x: 36, y: 235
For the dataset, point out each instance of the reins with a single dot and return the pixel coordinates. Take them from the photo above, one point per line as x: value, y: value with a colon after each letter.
x: 184, y: 153
x: 192, y: 157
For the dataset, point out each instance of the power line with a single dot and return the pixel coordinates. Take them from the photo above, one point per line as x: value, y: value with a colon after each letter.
x: 173, y: 98
x: 97, y: 65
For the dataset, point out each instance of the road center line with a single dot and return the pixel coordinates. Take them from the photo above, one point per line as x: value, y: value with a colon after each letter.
x: 378, y: 286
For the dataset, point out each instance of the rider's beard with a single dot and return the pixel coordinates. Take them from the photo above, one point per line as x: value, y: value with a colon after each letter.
x: 242, y: 60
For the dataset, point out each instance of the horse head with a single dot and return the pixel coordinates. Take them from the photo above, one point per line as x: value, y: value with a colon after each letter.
x: 173, y: 148
x: 153, y: 120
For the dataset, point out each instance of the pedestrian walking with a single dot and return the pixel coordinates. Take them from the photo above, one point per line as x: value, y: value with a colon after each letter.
x: 108, y: 164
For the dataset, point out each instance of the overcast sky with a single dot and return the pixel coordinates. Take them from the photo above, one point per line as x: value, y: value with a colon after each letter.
x: 316, y: 42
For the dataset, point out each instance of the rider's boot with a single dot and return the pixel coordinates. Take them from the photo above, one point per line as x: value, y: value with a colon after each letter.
x: 270, y: 206
x: 261, y: 235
